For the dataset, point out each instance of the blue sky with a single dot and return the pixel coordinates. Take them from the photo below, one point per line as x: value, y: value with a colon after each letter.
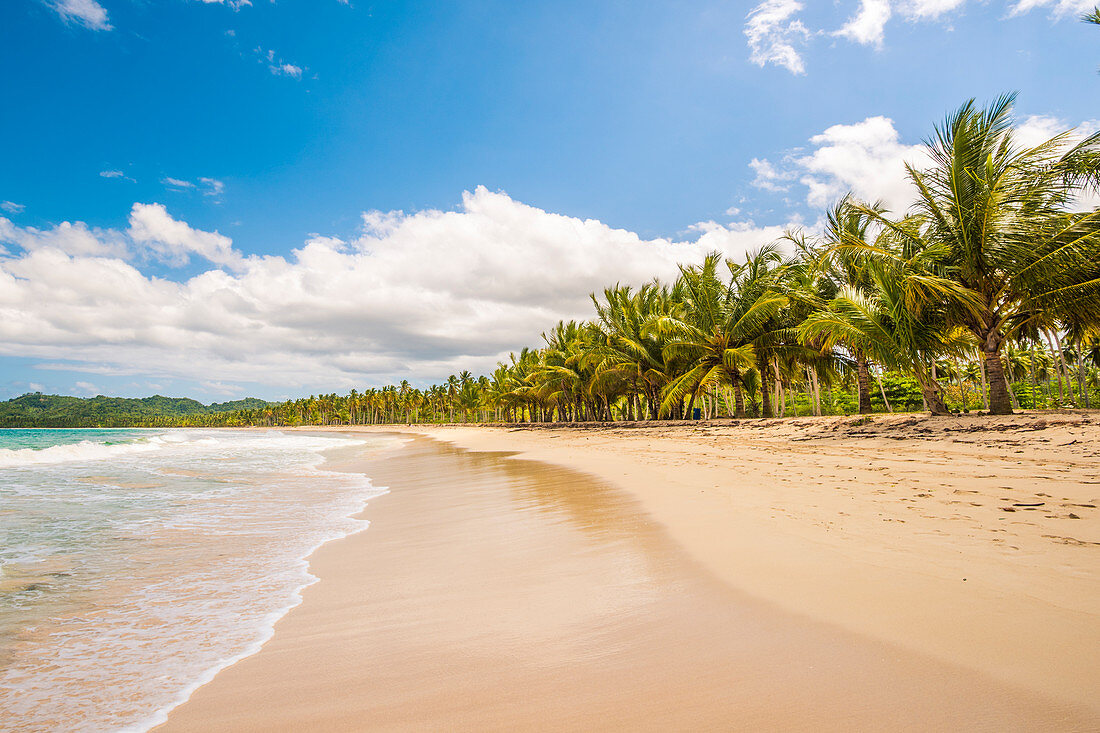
x: 201, y: 198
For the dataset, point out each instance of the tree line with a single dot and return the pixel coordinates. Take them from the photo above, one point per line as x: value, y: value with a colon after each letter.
x: 983, y: 294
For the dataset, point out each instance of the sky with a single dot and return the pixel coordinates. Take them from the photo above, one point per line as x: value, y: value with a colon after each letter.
x: 224, y: 198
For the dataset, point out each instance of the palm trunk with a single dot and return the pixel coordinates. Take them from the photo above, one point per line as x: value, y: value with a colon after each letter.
x: 738, y: 398
x: 1057, y: 370
x: 863, y: 377
x: 985, y: 387
x: 882, y: 391
x: 1065, y: 367
x: 999, y: 402
x: 689, y: 415
x: 765, y: 393
x: 1031, y: 373
x: 817, y: 391
x: 1081, y: 375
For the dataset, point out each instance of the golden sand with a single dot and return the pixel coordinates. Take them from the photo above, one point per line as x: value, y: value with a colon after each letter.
x: 783, y: 576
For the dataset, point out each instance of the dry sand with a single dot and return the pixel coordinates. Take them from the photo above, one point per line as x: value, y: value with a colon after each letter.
x: 796, y: 575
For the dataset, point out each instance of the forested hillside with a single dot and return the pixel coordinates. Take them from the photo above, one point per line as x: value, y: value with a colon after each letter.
x: 58, y: 411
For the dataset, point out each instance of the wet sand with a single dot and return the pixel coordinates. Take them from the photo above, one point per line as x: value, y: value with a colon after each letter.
x: 491, y: 593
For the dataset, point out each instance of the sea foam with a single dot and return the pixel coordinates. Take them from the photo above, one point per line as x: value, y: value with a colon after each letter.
x: 152, y: 562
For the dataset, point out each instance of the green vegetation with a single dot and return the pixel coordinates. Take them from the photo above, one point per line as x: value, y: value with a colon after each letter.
x: 55, y: 411
x: 985, y: 294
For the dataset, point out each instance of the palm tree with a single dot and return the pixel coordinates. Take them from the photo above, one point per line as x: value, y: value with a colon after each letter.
x: 898, y: 318
x: 717, y: 326
x: 629, y: 351
x: 845, y: 267
x: 996, y: 217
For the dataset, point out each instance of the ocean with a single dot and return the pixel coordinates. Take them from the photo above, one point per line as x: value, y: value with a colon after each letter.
x: 135, y: 564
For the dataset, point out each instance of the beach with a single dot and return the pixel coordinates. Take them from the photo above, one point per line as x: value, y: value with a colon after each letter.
x: 809, y: 574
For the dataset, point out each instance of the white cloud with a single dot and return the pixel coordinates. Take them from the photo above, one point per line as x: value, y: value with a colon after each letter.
x: 1059, y: 8
x: 773, y: 35
x: 71, y: 238
x: 1039, y: 128
x: 151, y: 225
x: 87, y: 387
x: 768, y: 177
x: 116, y: 174
x: 416, y: 296
x: 866, y: 26
x: 221, y: 388
x: 866, y: 158
x: 927, y: 9
x: 212, y: 186
x: 235, y: 4
x: 208, y: 186
x: 285, y: 69
x: 11, y: 207
x: 277, y: 65
x: 87, y: 13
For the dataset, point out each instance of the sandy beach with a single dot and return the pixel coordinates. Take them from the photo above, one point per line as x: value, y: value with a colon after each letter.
x: 817, y: 574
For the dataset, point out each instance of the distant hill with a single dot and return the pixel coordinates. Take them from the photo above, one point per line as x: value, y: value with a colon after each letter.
x: 38, y: 410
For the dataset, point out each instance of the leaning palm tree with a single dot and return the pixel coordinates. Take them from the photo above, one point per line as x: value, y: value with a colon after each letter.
x: 997, y: 218
x: 898, y: 317
x: 1093, y: 17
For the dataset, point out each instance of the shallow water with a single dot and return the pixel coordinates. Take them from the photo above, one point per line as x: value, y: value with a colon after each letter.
x: 136, y: 563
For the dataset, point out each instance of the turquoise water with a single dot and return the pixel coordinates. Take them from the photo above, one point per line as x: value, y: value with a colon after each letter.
x: 136, y: 563
x: 16, y: 438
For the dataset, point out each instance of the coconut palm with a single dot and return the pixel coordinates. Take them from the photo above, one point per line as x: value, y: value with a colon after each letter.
x: 845, y: 267
x: 717, y: 325
x: 898, y: 318
x: 996, y: 216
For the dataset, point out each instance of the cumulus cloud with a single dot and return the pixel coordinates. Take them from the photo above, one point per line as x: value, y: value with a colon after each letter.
x: 774, y: 35
x: 867, y: 158
x: 866, y: 26
x: 1039, y: 128
x: 175, y: 241
x: 416, y: 296
x: 71, y: 238
x: 87, y: 13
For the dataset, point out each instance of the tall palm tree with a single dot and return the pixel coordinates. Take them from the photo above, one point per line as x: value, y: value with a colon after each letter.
x: 844, y: 263
x: 997, y: 217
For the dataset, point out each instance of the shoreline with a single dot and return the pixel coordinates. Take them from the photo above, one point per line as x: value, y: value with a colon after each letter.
x: 1028, y: 612
x: 615, y: 459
